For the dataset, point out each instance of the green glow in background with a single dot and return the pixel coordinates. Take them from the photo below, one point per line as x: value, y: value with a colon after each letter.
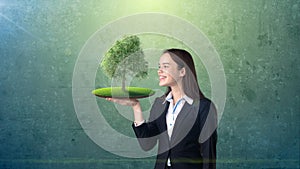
x: 258, y: 43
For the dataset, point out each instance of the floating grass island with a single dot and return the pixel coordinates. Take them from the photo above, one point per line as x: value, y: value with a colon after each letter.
x: 118, y: 92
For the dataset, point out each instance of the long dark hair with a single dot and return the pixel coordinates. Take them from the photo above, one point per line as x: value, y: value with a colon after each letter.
x: 189, y: 82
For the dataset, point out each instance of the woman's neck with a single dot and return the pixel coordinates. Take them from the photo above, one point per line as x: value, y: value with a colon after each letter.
x: 177, y: 93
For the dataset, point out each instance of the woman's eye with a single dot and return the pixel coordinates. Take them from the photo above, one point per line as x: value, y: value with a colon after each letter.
x: 164, y: 67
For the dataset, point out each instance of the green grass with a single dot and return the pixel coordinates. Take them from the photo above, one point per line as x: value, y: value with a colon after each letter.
x: 117, y: 92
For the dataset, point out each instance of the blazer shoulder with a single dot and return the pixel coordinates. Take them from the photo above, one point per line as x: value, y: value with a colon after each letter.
x: 206, y: 102
x: 158, y: 108
x: 160, y: 100
x: 207, y: 106
x: 162, y: 97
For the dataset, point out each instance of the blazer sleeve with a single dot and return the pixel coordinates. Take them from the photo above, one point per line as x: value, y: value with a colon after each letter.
x: 208, y: 136
x: 147, y: 133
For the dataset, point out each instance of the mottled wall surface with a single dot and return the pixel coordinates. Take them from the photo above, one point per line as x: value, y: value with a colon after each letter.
x: 258, y: 43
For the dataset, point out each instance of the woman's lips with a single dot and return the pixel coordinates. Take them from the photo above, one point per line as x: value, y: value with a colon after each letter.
x: 162, y: 77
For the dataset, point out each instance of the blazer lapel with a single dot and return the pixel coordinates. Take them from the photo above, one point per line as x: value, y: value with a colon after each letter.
x: 161, y: 109
x: 163, y: 124
x: 184, y: 122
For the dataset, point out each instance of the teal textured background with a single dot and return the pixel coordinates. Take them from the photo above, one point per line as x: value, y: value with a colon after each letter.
x: 258, y: 43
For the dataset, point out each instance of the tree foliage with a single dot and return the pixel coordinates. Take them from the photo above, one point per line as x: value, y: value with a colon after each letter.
x: 125, y: 57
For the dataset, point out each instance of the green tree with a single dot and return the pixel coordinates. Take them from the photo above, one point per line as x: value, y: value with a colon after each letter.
x: 123, y: 58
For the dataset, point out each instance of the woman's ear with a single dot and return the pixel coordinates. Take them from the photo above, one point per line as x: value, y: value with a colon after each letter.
x: 182, y: 72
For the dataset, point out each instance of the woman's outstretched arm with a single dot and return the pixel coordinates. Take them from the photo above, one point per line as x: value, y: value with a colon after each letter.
x: 145, y: 132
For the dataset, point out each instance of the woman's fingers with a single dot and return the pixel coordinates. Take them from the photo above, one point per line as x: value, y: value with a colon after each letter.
x: 125, y: 102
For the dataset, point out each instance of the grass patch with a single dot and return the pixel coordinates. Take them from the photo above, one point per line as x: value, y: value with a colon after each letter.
x: 117, y: 92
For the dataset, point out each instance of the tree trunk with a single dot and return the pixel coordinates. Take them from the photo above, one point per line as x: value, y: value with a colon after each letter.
x: 123, y: 82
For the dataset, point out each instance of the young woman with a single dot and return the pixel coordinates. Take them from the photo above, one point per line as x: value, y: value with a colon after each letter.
x: 182, y: 121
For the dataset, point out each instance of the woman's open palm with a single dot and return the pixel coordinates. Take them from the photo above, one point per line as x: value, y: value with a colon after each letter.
x: 124, y: 101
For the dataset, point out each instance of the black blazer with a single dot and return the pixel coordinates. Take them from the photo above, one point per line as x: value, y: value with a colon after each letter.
x: 194, y: 137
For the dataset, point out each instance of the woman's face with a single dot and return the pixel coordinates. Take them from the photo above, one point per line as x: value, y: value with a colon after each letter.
x: 168, y: 72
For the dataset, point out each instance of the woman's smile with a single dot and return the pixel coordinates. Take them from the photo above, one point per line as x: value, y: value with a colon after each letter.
x: 162, y: 78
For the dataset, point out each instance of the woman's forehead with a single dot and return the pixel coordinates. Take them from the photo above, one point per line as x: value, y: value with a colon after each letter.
x: 165, y: 58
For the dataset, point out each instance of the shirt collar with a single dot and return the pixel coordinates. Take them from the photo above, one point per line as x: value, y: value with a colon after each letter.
x: 185, y: 97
